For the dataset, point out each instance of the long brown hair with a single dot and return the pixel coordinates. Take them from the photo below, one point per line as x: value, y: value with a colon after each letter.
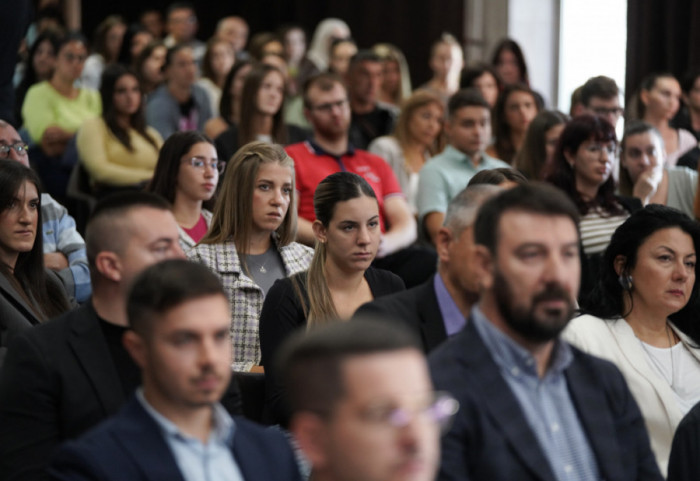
x: 249, y: 107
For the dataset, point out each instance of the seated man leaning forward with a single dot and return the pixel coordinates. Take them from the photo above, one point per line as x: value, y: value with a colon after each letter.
x: 362, y: 402
x: 532, y: 406
x: 174, y: 427
x: 468, y: 129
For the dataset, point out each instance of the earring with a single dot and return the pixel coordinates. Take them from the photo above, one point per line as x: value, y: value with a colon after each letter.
x: 625, y: 282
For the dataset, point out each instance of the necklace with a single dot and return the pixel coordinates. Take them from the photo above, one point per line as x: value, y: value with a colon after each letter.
x: 260, y: 267
x: 671, y: 336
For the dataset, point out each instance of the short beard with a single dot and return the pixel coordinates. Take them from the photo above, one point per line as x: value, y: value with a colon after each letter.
x: 526, y: 322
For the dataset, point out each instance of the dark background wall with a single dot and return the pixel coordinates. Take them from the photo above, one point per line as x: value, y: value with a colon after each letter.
x: 412, y: 25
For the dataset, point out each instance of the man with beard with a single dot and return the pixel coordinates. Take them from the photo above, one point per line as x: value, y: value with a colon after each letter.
x: 174, y: 427
x: 532, y: 406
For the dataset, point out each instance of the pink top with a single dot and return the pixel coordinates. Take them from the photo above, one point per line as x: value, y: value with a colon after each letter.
x: 198, y: 230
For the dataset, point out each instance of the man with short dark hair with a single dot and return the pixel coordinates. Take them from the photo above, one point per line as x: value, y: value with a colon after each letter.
x: 601, y: 96
x: 362, y: 404
x: 370, y: 118
x: 235, y: 31
x: 174, y: 427
x: 63, y: 377
x: 181, y: 24
x: 532, y: 407
x: 438, y: 308
x: 468, y: 129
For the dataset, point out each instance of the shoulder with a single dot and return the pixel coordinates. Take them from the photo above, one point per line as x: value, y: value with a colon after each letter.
x: 296, y: 257
x: 386, y: 143
x: 383, y: 282
x: 590, y: 333
x: 494, y: 163
x: 40, y: 89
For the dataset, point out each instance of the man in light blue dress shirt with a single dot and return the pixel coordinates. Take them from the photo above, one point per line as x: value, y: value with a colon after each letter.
x: 174, y: 427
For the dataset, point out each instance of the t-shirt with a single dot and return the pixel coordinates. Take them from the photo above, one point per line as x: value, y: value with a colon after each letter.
x: 197, y: 231
x: 312, y: 164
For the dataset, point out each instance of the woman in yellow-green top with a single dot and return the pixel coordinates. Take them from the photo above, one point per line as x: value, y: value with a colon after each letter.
x: 118, y: 149
x: 53, y: 111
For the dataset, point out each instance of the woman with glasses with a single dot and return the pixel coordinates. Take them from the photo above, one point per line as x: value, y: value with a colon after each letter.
x: 582, y: 168
x: 339, y: 280
x: 261, y: 114
x: 55, y: 109
x: 186, y: 175
x: 118, y: 149
x: 250, y: 242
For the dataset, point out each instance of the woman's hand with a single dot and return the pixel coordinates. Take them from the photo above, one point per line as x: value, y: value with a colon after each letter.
x: 647, y: 183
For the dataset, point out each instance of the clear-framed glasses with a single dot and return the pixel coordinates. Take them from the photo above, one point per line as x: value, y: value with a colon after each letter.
x: 603, y: 111
x: 439, y: 409
x: 328, y: 107
x: 200, y: 163
x: 20, y: 148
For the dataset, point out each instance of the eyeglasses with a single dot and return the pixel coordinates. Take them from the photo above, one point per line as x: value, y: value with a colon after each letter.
x: 71, y: 57
x: 328, y: 107
x: 19, y: 147
x: 440, y: 410
x: 609, y: 148
x: 603, y: 111
x: 199, y: 163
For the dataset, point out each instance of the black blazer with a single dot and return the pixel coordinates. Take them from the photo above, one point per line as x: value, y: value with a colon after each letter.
x: 130, y: 447
x: 491, y: 438
x: 416, y: 308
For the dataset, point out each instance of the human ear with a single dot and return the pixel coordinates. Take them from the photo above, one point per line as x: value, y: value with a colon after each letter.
x: 309, y: 430
x: 319, y: 231
x: 483, y: 265
x: 135, y: 346
x: 109, y: 265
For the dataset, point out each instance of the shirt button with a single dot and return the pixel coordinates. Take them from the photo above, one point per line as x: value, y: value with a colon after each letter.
x: 515, y: 371
x: 555, y: 427
x: 568, y: 469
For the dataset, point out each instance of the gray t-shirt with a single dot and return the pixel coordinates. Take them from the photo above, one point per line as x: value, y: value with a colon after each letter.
x: 266, y: 268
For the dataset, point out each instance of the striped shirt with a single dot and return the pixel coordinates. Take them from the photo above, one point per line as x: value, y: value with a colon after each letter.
x: 597, y: 228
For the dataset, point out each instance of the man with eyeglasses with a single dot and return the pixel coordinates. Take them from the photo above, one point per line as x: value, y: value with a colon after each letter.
x: 362, y: 404
x: 181, y: 24
x: 532, y: 407
x: 64, y: 247
x: 601, y: 96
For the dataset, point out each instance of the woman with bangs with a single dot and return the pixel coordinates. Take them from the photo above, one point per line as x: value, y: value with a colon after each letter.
x: 416, y: 138
x: 582, y: 168
x: 261, y: 115
x: 250, y: 239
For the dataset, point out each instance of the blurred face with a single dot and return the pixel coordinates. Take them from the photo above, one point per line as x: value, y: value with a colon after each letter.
x: 271, y: 197
x: 234, y: 31
x: 113, y: 41
x: 488, y: 87
x: 139, y: 42
x: 353, y: 234
x: 425, y: 123
x: 458, y: 257
x: 592, y: 163
x: 273, y: 47
x: 222, y: 59
x: 152, y: 66
x: 643, y: 154
x: 340, y: 57
x: 127, y: 95
x: 391, y: 77
x: 663, y: 100
x: 358, y: 440
x: 693, y: 97
x: 469, y: 129
x: 609, y: 109
x: 664, y: 275
x: 271, y: 93
x: 18, y: 224
x: 365, y: 81
x: 445, y: 59
x: 520, y: 109
x: 551, y: 139
x: 70, y: 61
x: 534, y: 277
x: 239, y: 81
x: 8, y: 137
x: 44, y: 60
x: 183, y: 69
x: 186, y: 357
x: 508, y: 68
x: 182, y: 25
x: 329, y: 111
x: 153, y: 22
x: 198, y: 174
x: 294, y: 45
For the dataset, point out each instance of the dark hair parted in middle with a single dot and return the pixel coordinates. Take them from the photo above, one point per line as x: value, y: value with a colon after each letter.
x: 606, y: 300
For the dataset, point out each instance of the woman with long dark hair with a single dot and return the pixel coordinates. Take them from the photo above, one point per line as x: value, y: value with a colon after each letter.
x: 339, y: 280
x: 118, y: 149
x: 516, y: 107
x: 540, y: 144
x: 230, y: 103
x: 643, y: 317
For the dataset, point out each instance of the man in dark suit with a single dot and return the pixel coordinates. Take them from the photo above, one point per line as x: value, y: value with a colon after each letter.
x: 174, y: 428
x: 438, y: 308
x: 65, y: 376
x: 531, y: 406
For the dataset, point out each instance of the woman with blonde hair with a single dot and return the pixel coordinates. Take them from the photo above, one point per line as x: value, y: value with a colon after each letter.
x: 417, y: 137
x: 339, y: 280
x: 250, y: 239
x: 396, y: 84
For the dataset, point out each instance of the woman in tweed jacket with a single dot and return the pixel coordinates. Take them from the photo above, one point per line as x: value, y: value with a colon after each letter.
x: 250, y: 240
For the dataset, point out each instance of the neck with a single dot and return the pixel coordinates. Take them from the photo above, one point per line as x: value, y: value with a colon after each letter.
x: 336, y: 146
x: 660, y: 123
x: 262, y: 124
x: 63, y: 85
x: 195, y: 422
x: 694, y: 114
x: 474, y: 156
x: 258, y: 244
x: 186, y: 211
x: 339, y: 280
x: 110, y: 302
x: 464, y: 299
x: 362, y: 107
x: 541, y: 351
x: 124, y: 121
x: 517, y: 139
x: 181, y: 93
x: 587, y: 191
x: 649, y: 327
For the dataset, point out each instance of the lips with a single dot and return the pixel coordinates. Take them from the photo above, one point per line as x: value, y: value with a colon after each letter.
x: 677, y: 292
x: 209, y: 186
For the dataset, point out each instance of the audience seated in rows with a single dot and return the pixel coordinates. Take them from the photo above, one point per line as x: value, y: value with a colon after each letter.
x: 537, y: 151
x: 218, y: 60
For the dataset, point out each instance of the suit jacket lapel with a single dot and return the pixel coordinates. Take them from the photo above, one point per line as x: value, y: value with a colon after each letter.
x: 502, y: 405
x: 16, y: 300
x: 432, y: 325
x: 91, y: 350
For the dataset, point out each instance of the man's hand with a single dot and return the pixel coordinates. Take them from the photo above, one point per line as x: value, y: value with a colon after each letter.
x: 55, y: 261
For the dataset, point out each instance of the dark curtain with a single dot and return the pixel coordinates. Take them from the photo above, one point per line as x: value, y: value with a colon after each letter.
x: 662, y: 35
x: 412, y: 25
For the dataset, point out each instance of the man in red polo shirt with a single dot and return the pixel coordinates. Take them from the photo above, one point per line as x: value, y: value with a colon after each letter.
x: 327, y: 109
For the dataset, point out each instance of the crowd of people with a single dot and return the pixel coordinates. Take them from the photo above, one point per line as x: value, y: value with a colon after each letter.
x: 449, y: 282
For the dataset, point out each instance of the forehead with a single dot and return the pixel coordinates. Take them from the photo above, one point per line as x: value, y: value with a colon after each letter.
x: 520, y: 96
x: 183, y: 54
x: 337, y: 92
x: 595, y: 101
x: 471, y: 112
x: 201, y: 315
x: 274, y: 169
x: 517, y: 228
x: 368, y: 66
x: 149, y: 224
x: 672, y: 237
x: 8, y: 134
x: 181, y: 13
x: 73, y: 45
x: 355, y: 209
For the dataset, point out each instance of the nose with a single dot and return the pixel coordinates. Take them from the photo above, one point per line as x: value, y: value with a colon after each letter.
x: 363, y: 235
x: 177, y: 252
x: 680, y: 273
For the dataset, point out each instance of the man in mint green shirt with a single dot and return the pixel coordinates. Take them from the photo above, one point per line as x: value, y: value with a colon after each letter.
x: 468, y: 130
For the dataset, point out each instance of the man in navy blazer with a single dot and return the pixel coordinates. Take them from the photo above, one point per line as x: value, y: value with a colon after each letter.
x: 531, y: 406
x: 438, y: 308
x: 174, y: 427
